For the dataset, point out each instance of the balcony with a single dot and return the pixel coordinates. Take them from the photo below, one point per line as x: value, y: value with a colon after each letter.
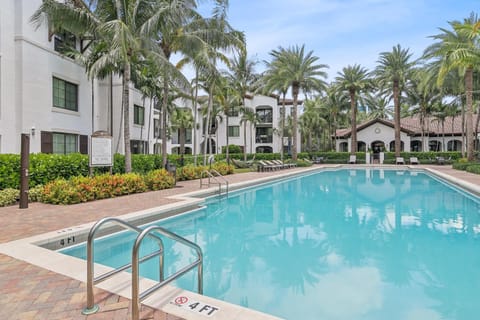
x: 263, y: 138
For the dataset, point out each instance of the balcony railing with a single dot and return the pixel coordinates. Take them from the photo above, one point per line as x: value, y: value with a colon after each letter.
x: 263, y: 139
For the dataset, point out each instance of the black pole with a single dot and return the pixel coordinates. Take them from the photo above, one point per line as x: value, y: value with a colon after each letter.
x: 24, y: 163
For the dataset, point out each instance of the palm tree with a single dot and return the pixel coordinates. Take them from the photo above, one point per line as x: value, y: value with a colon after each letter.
x: 182, y: 120
x: 458, y: 49
x: 126, y: 33
x: 299, y: 71
x: 311, y: 123
x: 379, y: 106
x: 440, y: 113
x: 248, y: 116
x: 422, y: 93
x: 336, y: 106
x: 393, y: 71
x: 353, y: 79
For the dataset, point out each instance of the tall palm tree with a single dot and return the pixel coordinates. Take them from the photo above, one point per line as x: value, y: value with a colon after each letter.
x: 353, y: 79
x: 248, y: 116
x: 458, y: 49
x: 298, y: 70
x: 336, y: 106
x: 311, y: 124
x: 393, y: 70
x: 182, y: 120
x: 125, y: 30
x: 379, y: 106
x: 271, y: 81
x: 422, y: 93
x: 440, y: 114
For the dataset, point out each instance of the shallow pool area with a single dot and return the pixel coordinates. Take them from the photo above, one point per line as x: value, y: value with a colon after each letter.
x: 334, y: 244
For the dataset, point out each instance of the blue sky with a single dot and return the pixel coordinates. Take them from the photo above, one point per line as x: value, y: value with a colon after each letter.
x: 343, y: 32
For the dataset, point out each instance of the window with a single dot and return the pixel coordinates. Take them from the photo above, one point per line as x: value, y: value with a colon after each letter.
x: 233, y: 111
x: 264, y: 135
x: 65, y: 95
x: 156, y: 128
x: 264, y: 115
x: 138, y: 115
x: 64, y: 143
x: 138, y: 146
x: 64, y: 42
x: 233, y: 131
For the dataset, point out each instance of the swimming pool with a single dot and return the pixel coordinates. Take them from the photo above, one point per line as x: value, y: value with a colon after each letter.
x: 342, y: 244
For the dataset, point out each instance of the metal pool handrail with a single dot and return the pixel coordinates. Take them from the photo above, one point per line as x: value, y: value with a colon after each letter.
x: 92, y: 280
x: 214, y: 177
x: 137, y: 297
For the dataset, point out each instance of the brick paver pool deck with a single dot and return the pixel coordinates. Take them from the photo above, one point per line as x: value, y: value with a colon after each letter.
x: 30, y: 292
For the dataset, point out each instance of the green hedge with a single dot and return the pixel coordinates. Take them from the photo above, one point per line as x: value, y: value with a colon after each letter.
x: 473, y: 168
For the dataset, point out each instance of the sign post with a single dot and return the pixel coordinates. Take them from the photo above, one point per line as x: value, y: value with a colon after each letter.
x: 100, y: 150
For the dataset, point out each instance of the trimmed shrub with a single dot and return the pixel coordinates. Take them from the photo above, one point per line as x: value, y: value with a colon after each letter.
x: 35, y: 193
x: 223, y: 168
x: 232, y: 148
x: 474, y: 168
x: 463, y: 165
x: 8, y: 196
x: 159, y: 179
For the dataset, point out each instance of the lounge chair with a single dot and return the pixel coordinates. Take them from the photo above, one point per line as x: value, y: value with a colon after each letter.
x: 352, y: 159
x: 399, y: 160
x: 285, y: 165
x: 276, y: 166
x: 440, y: 160
x: 318, y: 160
x: 414, y: 160
x: 265, y: 167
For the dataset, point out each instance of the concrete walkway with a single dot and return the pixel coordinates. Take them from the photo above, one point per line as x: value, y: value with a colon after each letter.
x: 30, y: 292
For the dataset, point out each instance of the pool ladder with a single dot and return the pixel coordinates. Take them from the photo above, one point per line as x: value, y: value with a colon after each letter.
x: 137, y: 297
x: 215, y: 175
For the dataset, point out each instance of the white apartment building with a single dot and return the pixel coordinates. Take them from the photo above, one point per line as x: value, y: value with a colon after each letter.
x: 49, y: 96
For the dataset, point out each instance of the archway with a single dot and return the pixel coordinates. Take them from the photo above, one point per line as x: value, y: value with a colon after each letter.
x: 435, y: 146
x: 392, y: 146
x: 454, y: 145
x: 361, y: 146
x: 416, y: 146
x: 377, y: 147
x: 343, y: 147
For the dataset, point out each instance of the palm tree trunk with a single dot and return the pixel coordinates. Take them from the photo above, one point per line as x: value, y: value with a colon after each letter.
x: 475, y: 130
x: 181, y: 137
x: 396, y: 102
x: 195, y: 119
x: 126, y: 117
x: 245, y: 141
x: 226, y: 151
x: 282, y: 129
x: 164, y: 122
x: 149, y: 124
x: 295, y: 90
x: 142, y: 125
x: 353, y: 111
x: 469, y: 117
x: 207, y: 129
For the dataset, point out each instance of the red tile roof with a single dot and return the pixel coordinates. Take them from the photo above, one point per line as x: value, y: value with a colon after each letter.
x: 412, y: 126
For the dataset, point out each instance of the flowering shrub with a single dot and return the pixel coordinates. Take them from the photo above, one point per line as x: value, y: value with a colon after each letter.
x: 8, y: 196
x: 189, y: 172
x: 223, y: 168
x: 82, y: 189
x: 159, y: 179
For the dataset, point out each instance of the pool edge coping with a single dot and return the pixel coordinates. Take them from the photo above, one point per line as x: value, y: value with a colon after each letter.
x: 28, y: 249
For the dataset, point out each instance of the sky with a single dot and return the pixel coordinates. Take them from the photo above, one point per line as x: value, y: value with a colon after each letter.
x: 344, y: 32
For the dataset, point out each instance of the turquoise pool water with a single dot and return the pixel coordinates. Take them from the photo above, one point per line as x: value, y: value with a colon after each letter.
x: 345, y: 244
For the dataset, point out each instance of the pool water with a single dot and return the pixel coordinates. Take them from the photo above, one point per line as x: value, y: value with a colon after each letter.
x: 340, y: 244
